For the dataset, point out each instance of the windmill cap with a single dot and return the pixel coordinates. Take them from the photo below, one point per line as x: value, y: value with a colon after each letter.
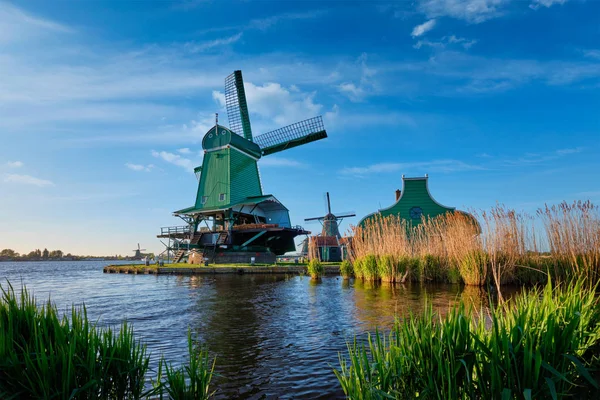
x: 219, y: 137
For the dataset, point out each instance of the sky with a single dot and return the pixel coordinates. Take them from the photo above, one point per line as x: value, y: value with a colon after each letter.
x: 103, y: 106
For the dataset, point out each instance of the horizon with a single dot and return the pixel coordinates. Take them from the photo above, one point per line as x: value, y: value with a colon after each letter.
x: 104, y: 106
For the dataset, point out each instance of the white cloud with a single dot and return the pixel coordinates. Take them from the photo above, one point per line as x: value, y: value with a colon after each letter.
x: 367, y: 84
x: 472, y: 11
x: 184, y: 150
x: 352, y: 91
x: 595, y: 54
x: 445, y: 41
x: 535, y: 4
x: 139, y: 167
x: 26, y: 180
x: 175, y: 159
x: 14, y: 164
x: 442, y: 166
x: 423, y: 28
x: 17, y: 25
x: 194, y: 47
x: 271, y: 161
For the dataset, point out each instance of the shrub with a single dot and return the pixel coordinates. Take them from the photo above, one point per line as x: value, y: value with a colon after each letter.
x: 315, y: 268
x: 346, y: 269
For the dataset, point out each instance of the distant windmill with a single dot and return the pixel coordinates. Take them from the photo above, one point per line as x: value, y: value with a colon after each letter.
x: 330, y: 221
x: 138, y: 253
x: 327, y: 245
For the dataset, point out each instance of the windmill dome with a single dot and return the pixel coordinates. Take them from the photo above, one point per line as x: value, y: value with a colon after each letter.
x: 220, y: 137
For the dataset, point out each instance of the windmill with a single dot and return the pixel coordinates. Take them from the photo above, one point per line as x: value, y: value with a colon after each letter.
x: 330, y: 221
x: 138, y: 253
x: 328, y: 243
x: 232, y: 216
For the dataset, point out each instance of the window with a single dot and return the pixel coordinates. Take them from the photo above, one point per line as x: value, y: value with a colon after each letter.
x: 222, y: 197
x: 204, y: 199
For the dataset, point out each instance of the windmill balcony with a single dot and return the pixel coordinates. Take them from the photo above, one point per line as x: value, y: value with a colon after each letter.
x: 175, y: 231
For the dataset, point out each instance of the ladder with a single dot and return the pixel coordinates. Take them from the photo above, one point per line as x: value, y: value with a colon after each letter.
x: 178, y: 256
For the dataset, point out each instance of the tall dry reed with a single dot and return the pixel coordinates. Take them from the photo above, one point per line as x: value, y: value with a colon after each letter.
x: 495, y: 246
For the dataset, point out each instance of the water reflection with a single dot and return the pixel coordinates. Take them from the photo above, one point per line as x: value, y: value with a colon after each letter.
x: 274, y: 336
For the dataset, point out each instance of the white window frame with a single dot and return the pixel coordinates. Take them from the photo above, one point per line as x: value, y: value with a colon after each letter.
x: 204, y: 199
x: 222, y: 197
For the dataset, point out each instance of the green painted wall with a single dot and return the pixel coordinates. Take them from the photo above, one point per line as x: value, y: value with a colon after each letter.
x: 245, y: 181
x: 214, y: 179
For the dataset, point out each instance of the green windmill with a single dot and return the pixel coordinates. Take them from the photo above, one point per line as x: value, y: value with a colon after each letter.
x: 232, y: 217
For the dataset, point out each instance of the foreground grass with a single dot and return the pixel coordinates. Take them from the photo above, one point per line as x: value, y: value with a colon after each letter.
x: 543, y: 344
x: 44, y: 356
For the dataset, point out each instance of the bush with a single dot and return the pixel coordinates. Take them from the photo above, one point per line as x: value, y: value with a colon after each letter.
x: 315, y: 268
x: 346, y: 269
x: 544, y: 344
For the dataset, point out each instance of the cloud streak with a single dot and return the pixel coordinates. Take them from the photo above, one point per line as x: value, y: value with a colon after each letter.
x: 425, y: 27
x: 26, y: 180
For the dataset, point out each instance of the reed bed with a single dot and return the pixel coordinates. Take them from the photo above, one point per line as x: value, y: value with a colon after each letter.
x: 315, y: 268
x: 492, y: 247
x: 544, y: 344
x: 45, y: 356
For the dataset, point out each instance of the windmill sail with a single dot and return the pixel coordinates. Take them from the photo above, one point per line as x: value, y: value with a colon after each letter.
x: 292, y: 135
x: 237, y: 107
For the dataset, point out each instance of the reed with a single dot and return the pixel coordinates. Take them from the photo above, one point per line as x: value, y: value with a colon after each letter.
x: 45, y: 356
x: 346, y: 269
x: 544, y: 344
x: 191, y: 381
x: 499, y: 246
x: 315, y: 268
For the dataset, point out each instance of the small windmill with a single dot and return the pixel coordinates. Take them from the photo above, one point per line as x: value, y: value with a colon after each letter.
x: 138, y: 253
x: 327, y: 245
x: 330, y: 221
x: 230, y: 194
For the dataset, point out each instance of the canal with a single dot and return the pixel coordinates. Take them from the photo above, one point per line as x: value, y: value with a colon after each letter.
x: 274, y: 336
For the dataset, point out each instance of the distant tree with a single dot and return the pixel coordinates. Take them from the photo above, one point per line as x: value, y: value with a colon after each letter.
x: 9, y: 253
x: 45, y: 254
x: 56, y: 254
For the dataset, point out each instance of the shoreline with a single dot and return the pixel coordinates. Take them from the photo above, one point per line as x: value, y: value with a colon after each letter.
x: 194, y: 269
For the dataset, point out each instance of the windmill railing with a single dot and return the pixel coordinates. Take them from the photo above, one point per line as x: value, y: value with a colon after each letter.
x: 174, y: 230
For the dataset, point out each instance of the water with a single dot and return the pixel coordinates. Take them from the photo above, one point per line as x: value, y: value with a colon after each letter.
x: 273, y: 336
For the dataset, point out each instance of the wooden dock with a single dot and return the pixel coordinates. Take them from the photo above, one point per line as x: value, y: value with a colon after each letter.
x: 215, y: 270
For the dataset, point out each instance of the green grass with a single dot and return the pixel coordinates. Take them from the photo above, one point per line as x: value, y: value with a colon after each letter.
x: 545, y: 344
x: 45, y: 356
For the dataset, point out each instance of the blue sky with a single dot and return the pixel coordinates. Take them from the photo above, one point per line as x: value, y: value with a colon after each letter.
x: 103, y: 105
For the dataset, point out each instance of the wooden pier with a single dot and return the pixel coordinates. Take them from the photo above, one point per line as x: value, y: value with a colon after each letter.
x: 215, y: 270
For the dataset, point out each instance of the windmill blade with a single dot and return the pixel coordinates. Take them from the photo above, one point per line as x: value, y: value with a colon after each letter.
x: 292, y: 135
x: 348, y: 215
x: 313, y: 219
x: 237, y: 107
x: 345, y: 214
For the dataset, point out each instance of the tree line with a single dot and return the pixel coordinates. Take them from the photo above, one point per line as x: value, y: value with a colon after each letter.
x: 37, y: 254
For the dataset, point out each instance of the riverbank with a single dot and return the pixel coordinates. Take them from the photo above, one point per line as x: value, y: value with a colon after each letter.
x: 234, y: 269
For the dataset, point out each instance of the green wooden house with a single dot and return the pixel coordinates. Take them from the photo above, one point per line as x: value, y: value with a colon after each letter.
x: 413, y: 202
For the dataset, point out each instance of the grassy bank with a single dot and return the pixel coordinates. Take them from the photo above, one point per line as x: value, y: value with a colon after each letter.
x: 506, y: 246
x: 541, y: 345
x: 44, y: 356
